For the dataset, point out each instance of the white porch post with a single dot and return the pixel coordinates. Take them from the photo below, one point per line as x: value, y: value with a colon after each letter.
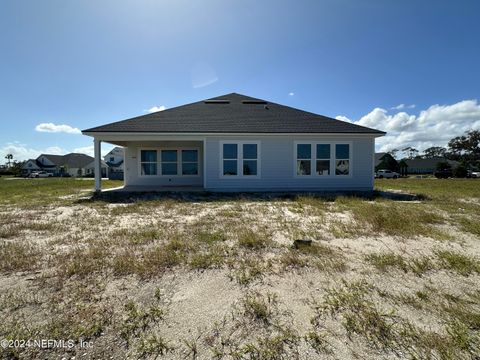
x: 97, y: 145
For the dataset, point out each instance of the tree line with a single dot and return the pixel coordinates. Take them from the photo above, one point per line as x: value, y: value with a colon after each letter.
x: 464, y: 149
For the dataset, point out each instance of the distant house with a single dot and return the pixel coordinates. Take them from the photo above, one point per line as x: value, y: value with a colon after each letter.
x: 73, y: 164
x: 238, y: 143
x: 427, y: 166
x: 385, y: 161
x: 114, y: 160
x: 30, y: 166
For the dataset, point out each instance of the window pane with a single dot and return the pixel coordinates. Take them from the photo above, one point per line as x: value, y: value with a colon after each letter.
x: 303, y: 167
x: 323, y: 167
x: 342, y: 151
x: 230, y: 151
x: 169, y: 155
x: 189, y: 168
x: 190, y: 155
x: 250, y: 167
x: 323, y: 151
x: 149, y: 169
x: 149, y: 155
x: 229, y: 167
x: 249, y: 151
x: 342, y: 167
x: 169, y: 169
x: 304, y: 151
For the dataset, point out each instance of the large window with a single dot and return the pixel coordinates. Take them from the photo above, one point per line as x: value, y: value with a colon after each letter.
x: 304, y: 159
x: 240, y: 159
x: 169, y: 162
x: 342, y: 159
x: 249, y: 159
x: 322, y: 159
x: 148, y: 162
x: 230, y: 159
x: 189, y: 162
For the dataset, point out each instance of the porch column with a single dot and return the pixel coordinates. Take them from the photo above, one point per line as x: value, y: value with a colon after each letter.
x: 97, y: 146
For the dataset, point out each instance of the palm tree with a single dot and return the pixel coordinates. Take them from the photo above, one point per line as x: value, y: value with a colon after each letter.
x: 9, y: 158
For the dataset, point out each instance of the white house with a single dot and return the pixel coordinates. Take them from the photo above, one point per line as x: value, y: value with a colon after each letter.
x: 114, y: 160
x: 238, y: 143
x: 73, y: 164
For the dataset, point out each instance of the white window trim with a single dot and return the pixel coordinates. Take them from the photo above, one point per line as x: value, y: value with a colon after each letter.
x: 240, y: 159
x: 140, y: 162
x: 313, y: 160
x: 159, y: 162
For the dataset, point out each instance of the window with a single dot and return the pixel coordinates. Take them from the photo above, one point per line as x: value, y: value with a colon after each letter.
x: 342, y: 159
x: 323, y: 159
x: 240, y: 159
x: 169, y: 162
x: 249, y: 159
x: 230, y: 159
x: 189, y: 162
x: 112, y: 159
x: 304, y: 159
x: 317, y: 159
x: 148, y: 162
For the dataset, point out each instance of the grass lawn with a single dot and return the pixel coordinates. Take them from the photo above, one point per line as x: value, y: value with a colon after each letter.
x: 200, y: 276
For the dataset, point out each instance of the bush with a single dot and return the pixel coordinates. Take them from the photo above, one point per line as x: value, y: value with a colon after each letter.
x: 460, y: 171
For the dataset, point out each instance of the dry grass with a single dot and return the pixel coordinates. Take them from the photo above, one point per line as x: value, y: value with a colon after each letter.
x: 216, y: 276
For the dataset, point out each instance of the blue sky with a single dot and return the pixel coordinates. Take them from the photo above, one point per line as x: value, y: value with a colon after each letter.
x: 86, y: 63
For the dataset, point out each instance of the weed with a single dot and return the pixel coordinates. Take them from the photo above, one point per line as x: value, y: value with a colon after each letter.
x: 463, y: 264
x: 139, y: 319
x: 272, y: 347
x: 153, y: 345
x: 253, y: 240
x: 259, y: 307
x: 384, y: 261
x: 18, y: 256
x: 9, y: 231
x: 318, y: 341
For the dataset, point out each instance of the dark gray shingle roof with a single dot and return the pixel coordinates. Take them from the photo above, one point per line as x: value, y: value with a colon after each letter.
x: 235, y: 115
x: 73, y: 160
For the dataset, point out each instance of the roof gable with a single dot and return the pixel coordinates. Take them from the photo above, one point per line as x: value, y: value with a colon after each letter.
x: 72, y: 160
x: 234, y: 113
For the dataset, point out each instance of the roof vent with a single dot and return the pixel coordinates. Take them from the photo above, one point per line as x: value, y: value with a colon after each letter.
x: 254, y: 102
x: 219, y: 101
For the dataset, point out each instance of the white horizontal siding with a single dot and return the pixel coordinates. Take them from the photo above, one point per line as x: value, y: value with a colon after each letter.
x: 277, y: 166
x: 132, y: 164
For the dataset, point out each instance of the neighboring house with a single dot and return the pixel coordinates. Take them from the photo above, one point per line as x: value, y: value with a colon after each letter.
x: 30, y: 166
x: 385, y: 161
x: 238, y: 143
x: 90, y: 168
x: 427, y: 166
x: 73, y: 164
x: 114, y: 160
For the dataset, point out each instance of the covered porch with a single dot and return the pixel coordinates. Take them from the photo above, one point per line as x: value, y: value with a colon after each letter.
x: 154, y: 164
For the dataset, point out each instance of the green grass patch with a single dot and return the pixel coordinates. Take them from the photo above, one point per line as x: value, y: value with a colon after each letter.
x: 40, y: 192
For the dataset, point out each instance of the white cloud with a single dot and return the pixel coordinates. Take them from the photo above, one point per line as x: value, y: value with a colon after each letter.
x: 291, y: 93
x: 434, y: 126
x: 155, y: 109
x: 403, y: 106
x: 52, y: 128
x: 22, y: 152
